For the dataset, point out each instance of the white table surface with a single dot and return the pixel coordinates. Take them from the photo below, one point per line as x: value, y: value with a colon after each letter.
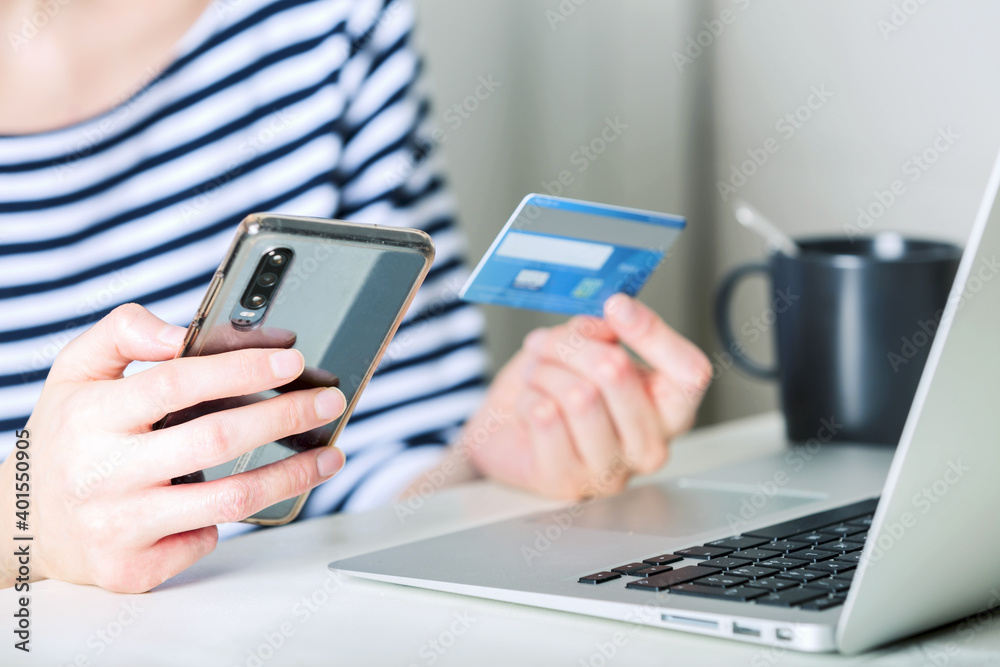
x: 272, y: 588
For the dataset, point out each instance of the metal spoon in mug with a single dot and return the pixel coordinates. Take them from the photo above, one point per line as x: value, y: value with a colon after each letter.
x: 752, y: 219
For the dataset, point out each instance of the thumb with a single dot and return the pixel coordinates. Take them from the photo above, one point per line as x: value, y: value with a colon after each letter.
x: 128, y: 333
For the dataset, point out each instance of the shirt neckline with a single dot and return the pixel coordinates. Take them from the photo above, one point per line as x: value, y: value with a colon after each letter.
x: 204, y: 26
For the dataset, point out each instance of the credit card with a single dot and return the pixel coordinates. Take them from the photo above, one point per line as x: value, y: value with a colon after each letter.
x: 566, y: 256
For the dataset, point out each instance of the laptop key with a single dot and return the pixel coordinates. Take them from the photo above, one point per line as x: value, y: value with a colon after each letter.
x: 726, y: 562
x: 813, y: 537
x: 753, y: 571
x: 773, y: 584
x: 841, y: 547
x: 737, y: 542
x: 804, y: 575
x: 831, y: 566
x: 849, y: 575
x: 756, y: 554
x: 812, y: 555
x: 704, y: 552
x: 659, y: 582
x: 843, y: 530
x: 599, y: 577
x: 723, y: 580
x: 791, y: 597
x: 650, y: 570
x: 824, y: 603
x: 854, y: 557
x: 865, y: 521
x: 783, y: 563
x: 805, y: 524
x: 830, y: 584
x: 740, y: 593
x: 631, y: 568
x: 663, y: 559
x: 784, y: 546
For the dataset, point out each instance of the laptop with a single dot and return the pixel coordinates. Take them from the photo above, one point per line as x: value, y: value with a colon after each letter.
x: 860, y: 546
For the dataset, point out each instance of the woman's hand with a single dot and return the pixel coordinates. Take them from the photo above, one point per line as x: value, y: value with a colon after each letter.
x: 103, y: 510
x: 572, y: 415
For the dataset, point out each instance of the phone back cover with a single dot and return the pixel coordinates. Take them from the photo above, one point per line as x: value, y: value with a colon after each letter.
x: 339, y: 302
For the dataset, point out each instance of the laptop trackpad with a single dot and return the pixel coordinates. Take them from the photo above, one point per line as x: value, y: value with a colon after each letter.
x: 690, y: 506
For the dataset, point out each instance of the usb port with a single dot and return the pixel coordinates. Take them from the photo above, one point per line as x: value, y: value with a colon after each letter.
x: 745, y: 630
x: 784, y: 634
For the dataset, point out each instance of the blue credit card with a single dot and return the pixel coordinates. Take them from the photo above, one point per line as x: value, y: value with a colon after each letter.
x: 566, y: 256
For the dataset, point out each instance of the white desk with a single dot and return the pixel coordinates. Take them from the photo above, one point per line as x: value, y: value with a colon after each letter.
x: 274, y: 584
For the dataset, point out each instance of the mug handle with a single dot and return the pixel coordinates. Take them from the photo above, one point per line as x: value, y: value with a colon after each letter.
x: 724, y: 324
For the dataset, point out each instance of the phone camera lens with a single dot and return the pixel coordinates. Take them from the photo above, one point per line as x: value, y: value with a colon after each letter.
x: 256, y: 301
x: 277, y: 259
x: 267, y: 279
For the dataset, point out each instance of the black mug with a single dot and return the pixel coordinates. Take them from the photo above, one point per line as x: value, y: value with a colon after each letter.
x: 853, y: 321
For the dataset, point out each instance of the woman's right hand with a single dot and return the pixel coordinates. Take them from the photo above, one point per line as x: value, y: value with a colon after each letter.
x: 103, y: 510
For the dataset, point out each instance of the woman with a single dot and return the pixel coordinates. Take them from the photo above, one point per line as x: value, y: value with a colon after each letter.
x: 133, y: 138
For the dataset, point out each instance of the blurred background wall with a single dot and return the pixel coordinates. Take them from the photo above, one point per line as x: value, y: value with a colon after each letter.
x: 854, y: 94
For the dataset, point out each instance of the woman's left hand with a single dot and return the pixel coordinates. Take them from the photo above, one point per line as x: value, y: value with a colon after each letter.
x: 572, y: 415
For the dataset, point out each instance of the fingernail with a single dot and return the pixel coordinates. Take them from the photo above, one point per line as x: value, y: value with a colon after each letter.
x: 172, y: 336
x: 273, y: 333
x: 329, y: 461
x: 286, y: 363
x: 622, y: 309
x: 330, y: 403
x: 274, y: 337
x: 535, y: 341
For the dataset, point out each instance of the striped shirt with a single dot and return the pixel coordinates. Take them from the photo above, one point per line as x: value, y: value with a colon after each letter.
x: 306, y: 107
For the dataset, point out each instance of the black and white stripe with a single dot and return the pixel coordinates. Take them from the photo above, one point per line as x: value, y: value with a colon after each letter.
x: 310, y: 107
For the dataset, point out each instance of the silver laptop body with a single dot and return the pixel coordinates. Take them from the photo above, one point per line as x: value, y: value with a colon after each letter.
x: 940, y: 493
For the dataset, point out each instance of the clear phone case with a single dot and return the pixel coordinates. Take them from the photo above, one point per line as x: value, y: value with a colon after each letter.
x: 335, y: 291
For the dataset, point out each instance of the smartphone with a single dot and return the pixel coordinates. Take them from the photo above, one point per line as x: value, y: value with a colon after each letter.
x: 336, y: 291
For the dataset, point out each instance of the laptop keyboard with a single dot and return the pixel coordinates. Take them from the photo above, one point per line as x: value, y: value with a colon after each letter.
x: 806, y: 563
